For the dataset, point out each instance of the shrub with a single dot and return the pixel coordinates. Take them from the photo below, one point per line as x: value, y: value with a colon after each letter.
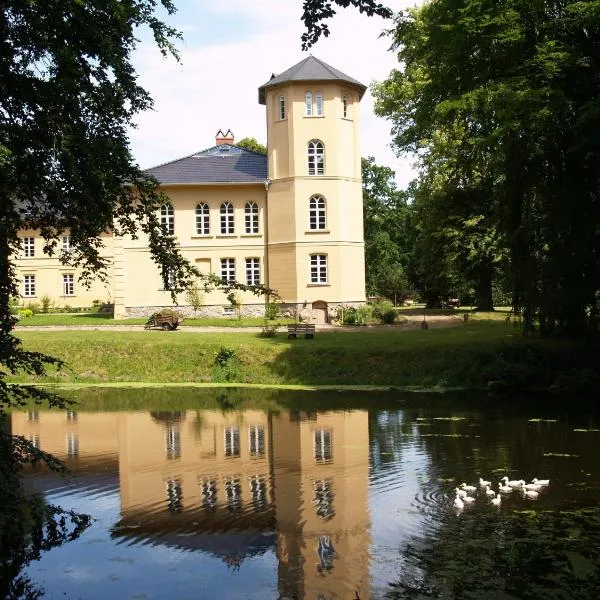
x: 46, y: 303
x: 379, y: 308
x: 268, y: 329
x: 226, y: 365
x: 13, y: 306
x: 24, y: 313
x: 224, y: 356
x: 389, y: 316
x: 363, y: 314
x: 34, y: 307
x: 272, y: 310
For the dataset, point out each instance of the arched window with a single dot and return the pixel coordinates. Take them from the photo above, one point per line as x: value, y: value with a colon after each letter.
x: 345, y: 106
x: 227, y: 218
x: 316, y: 213
x: 202, y: 219
x: 281, y: 107
x: 251, y: 217
x: 319, y: 104
x: 167, y: 219
x: 308, y: 102
x: 316, y: 158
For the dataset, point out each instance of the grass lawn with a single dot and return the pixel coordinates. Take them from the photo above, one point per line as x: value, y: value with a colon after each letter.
x: 44, y: 320
x: 471, y: 355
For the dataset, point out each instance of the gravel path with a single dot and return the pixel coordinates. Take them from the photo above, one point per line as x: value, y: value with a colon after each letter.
x: 413, y: 322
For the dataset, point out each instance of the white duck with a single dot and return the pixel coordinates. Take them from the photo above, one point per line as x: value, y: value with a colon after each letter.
x: 534, y: 487
x: 489, y: 493
x: 484, y: 483
x: 468, y: 500
x: 468, y: 488
x: 541, y: 481
x: 497, y: 500
x: 531, y: 494
x: 513, y: 483
x: 458, y: 503
x: 460, y: 493
x: 504, y: 489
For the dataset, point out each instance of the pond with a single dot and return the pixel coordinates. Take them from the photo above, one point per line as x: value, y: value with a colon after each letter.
x: 318, y: 496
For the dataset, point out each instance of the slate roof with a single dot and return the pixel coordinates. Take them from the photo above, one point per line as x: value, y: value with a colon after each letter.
x: 220, y: 164
x: 309, y: 69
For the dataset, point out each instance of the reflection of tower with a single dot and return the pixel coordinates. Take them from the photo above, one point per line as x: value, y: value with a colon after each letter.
x: 320, y: 481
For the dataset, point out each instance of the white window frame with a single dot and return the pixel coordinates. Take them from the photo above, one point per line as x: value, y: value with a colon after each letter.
x: 317, y: 213
x: 168, y: 279
x: 256, y: 440
x: 202, y: 219
x: 319, y: 107
x: 323, y: 445
x: 227, y: 218
x: 319, y: 269
x: 253, y: 271
x: 167, y: 219
x: 29, y: 290
x: 66, y: 243
x: 251, y: 217
x: 28, y: 245
x: 316, y: 157
x: 68, y: 282
x: 281, y: 107
x: 227, y: 270
x: 308, y: 104
x: 231, y: 442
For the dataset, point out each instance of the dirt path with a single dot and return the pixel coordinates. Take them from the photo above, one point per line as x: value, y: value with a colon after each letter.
x: 413, y: 322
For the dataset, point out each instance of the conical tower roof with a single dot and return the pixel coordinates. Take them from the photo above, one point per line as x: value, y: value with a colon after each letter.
x: 309, y: 69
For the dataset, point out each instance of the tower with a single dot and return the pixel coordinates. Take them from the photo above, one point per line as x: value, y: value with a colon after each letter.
x: 315, y: 245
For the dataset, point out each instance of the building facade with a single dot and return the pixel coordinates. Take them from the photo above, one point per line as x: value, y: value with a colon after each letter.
x: 291, y: 220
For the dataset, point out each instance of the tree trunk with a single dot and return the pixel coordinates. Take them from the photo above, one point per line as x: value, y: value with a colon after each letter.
x: 484, y: 287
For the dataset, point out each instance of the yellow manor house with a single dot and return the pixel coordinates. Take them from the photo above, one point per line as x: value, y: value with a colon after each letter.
x: 291, y: 220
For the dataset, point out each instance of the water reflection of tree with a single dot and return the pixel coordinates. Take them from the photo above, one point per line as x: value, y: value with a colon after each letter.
x: 28, y: 526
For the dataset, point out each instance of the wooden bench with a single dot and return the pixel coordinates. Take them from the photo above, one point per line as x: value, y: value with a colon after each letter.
x: 308, y: 329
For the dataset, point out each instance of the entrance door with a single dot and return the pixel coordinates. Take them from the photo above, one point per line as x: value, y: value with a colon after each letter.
x: 319, y: 311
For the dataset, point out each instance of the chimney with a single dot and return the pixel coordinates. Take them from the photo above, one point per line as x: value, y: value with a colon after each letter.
x: 224, y: 138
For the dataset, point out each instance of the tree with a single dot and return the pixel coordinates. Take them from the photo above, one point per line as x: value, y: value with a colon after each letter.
x: 499, y: 99
x: 250, y: 143
x: 389, y: 234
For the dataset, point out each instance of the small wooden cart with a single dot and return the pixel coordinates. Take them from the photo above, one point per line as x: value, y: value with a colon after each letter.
x: 166, y: 319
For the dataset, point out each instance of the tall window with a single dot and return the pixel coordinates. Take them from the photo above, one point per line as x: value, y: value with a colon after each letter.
x: 323, y: 450
x: 251, y: 217
x: 66, y: 243
x: 257, y: 440
x: 227, y: 269
x: 323, y: 499
x: 345, y: 106
x: 316, y: 158
x: 227, y: 218
x: 28, y: 247
x: 68, y: 284
x: 167, y: 219
x: 29, y: 285
x: 233, y: 494
x: 168, y: 280
x: 316, y: 217
x: 281, y: 107
x: 208, y: 488
x: 202, y: 219
x: 252, y: 271
x: 173, y: 442
x: 319, y: 104
x: 232, y: 441
x: 258, y: 491
x: 308, y: 100
x: 318, y: 268
x: 174, y: 492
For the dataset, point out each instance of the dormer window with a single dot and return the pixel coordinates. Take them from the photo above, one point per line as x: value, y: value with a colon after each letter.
x: 282, y: 114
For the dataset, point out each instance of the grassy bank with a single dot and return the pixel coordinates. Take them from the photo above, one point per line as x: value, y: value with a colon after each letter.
x: 474, y: 355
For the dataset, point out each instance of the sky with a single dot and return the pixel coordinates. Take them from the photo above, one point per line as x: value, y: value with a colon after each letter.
x: 230, y: 48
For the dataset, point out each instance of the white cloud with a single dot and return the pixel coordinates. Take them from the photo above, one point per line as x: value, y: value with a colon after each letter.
x: 216, y: 84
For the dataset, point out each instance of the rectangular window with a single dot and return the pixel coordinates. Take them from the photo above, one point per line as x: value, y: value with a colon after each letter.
x: 253, y: 271
x: 308, y: 103
x: 258, y: 490
x: 66, y: 243
x: 227, y: 269
x: 174, y: 496
x: 318, y: 268
x: 208, y: 488
x: 257, y: 441
x: 281, y: 107
x: 233, y: 493
x: 232, y: 441
x: 319, y: 104
x: 72, y: 444
x: 323, y: 450
x: 345, y: 106
x: 168, y: 279
x: 323, y: 499
x: 68, y: 284
x: 173, y: 442
x: 167, y: 219
x: 29, y: 285
x: 28, y: 247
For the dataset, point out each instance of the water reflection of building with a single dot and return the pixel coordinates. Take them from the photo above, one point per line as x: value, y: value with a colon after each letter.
x: 235, y: 483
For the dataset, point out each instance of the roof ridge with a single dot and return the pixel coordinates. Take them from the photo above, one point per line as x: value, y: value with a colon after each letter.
x: 174, y: 160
